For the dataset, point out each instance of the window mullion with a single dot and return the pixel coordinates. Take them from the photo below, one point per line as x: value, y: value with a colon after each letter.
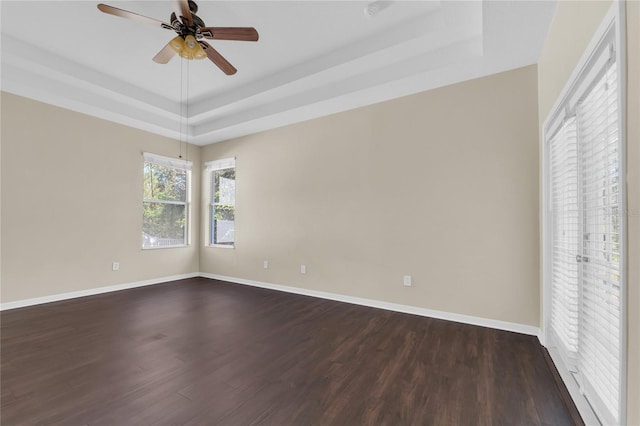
x: 152, y: 200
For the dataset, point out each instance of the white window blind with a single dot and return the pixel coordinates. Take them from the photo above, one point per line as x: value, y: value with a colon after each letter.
x: 600, y: 325
x: 563, y: 150
x: 226, y: 163
x: 175, y: 163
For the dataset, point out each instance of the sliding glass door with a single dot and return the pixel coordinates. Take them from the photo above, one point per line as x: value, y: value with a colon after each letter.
x: 585, y: 234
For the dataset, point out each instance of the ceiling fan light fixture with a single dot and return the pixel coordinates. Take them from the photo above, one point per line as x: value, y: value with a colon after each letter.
x: 187, y: 47
x: 176, y: 44
x: 192, y: 31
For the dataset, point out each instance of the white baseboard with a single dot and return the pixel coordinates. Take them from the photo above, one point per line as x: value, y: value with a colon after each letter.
x: 92, y: 291
x: 466, y: 319
x: 541, y: 337
x: 431, y: 313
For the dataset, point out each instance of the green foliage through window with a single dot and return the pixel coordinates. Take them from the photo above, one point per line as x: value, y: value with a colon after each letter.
x: 164, y: 206
x: 223, y: 206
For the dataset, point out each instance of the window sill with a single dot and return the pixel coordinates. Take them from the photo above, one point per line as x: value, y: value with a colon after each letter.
x: 165, y: 247
x: 223, y: 246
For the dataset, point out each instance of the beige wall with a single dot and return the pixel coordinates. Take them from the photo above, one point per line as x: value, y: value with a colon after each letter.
x: 574, y: 25
x: 442, y: 186
x: 72, y: 202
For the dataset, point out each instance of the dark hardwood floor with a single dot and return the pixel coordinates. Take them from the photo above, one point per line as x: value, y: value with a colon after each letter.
x: 200, y: 351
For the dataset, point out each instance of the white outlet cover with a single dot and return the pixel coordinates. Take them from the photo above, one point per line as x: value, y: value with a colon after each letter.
x: 116, y: 266
x: 303, y: 269
x: 407, y: 280
x: 265, y: 264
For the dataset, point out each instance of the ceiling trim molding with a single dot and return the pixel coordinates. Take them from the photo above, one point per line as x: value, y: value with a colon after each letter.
x: 446, y: 45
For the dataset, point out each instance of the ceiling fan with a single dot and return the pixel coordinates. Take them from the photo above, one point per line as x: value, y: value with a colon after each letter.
x: 191, y: 30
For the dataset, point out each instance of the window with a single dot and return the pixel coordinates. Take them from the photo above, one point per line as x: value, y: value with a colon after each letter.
x: 223, y: 202
x: 584, y: 233
x: 165, y: 206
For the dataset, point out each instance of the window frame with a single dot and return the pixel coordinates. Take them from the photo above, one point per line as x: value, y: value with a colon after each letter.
x: 178, y: 164
x: 211, y: 168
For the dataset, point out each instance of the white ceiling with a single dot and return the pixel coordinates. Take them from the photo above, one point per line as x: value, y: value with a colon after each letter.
x: 313, y: 58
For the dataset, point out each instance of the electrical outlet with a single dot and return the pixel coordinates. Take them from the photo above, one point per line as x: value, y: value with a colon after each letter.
x: 115, y: 266
x: 265, y: 264
x: 303, y: 269
x: 407, y: 281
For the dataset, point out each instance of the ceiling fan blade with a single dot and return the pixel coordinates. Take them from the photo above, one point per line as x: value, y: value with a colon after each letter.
x: 134, y: 16
x: 230, y: 33
x: 165, y: 55
x: 181, y: 8
x: 218, y: 59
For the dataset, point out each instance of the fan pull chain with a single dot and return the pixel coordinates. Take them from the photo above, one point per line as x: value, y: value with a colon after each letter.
x: 186, y: 135
x: 184, y: 107
x: 181, y: 106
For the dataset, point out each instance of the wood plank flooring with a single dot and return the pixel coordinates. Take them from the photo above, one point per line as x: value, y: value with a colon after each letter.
x: 205, y: 352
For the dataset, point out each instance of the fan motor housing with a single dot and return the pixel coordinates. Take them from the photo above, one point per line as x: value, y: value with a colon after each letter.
x: 183, y: 29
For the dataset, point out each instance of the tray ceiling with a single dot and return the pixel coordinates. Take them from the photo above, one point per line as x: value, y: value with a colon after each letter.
x: 313, y: 58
